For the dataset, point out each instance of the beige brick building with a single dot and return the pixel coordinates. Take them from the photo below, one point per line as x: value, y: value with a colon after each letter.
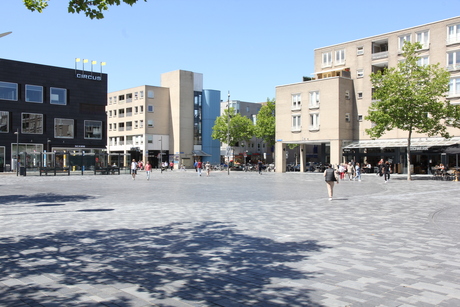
x: 325, y: 115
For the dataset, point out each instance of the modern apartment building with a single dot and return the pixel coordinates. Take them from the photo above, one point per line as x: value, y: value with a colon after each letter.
x: 47, y: 111
x: 255, y: 148
x: 326, y: 112
x: 171, y: 122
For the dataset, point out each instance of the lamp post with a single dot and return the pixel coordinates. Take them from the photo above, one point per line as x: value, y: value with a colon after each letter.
x: 17, y: 151
x: 228, y: 133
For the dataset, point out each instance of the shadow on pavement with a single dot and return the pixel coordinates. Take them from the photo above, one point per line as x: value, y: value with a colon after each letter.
x: 197, y: 263
x: 41, y: 198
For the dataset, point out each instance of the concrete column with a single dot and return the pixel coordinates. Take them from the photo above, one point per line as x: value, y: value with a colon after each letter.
x: 302, y: 158
x: 336, y: 152
x: 280, y: 157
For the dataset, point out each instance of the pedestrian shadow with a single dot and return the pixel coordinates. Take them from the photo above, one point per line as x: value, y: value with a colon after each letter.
x: 41, y: 198
x: 202, y: 264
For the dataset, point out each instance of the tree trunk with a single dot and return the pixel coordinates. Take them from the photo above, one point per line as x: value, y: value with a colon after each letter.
x: 409, y: 178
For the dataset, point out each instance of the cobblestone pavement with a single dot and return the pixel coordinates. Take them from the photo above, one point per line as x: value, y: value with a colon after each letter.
x: 242, y: 239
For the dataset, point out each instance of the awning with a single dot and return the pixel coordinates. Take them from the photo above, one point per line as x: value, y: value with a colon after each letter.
x: 200, y: 153
x: 416, y: 142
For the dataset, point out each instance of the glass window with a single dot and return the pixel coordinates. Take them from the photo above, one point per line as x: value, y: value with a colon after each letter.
x: 150, y: 108
x: 327, y: 59
x: 58, y: 96
x: 360, y: 73
x: 453, y: 60
x: 34, y: 93
x: 150, y: 94
x: 314, y: 121
x: 136, y: 95
x: 141, y: 94
x: 424, y: 39
x: 296, y: 102
x: 93, y: 129
x: 4, y: 122
x: 423, y: 60
x: 150, y: 123
x: 453, y: 34
x: 63, y: 128
x: 454, y: 87
x: 314, y: 99
x: 296, y: 123
x: 340, y: 57
x: 402, y: 40
x: 141, y: 124
x: 360, y: 50
x: 8, y: 91
x: 32, y: 123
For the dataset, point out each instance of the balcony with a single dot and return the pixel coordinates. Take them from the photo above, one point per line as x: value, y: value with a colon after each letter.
x: 380, y: 55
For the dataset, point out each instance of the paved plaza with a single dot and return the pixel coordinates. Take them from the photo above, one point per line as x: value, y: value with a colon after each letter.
x: 242, y: 239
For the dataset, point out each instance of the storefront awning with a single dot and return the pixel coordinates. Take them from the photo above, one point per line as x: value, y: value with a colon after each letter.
x: 200, y: 153
x: 416, y: 142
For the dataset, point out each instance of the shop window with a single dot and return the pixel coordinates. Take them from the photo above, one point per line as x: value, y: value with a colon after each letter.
x: 93, y: 129
x: 63, y: 128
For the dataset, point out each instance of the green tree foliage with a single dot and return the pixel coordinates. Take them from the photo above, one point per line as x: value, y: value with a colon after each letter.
x: 412, y: 98
x: 91, y: 8
x: 265, y: 125
x: 237, y: 128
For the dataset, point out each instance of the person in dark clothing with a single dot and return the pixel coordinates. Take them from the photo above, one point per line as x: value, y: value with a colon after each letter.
x: 259, y: 166
x: 330, y: 176
x: 387, y: 171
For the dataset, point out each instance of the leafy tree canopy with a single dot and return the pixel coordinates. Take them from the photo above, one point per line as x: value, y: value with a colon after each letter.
x: 91, y: 8
x: 265, y: 125
x: 412, y: 97
x: 233, y: 126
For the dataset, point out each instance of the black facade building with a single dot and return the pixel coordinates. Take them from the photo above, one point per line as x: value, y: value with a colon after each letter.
x: 50, y: 116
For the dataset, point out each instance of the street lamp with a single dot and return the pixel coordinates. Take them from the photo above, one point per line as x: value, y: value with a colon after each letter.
x: 17, y: 151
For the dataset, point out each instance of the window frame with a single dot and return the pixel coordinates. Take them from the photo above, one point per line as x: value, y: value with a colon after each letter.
x: 314, y: 99
x: 6, y: 120
x: 64, y: 95
x: 296, y: 122
x: 342, y: 57
x: 27, y: 91
x: 326, y: 59
x: 72, y: 128
x: 85, y: 133
x: 454, y: 83
x: 455, y: 37
x: 314, y: 124
x: 455, y: 60
x: 22, y: 123
x: 296, y: 101
x: 425, y: 40
x: 15, y: 90
x: 402, y: 39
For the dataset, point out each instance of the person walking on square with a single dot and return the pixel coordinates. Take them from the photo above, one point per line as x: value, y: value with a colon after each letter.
x: 259, y: 166
x: 330, y: 177
x: 198, y: 167
x: 134, y: 169
x: 148, y: 170
x: 387, y: 171
x: 208, y: 168
x: 357, y: 172
x: 171, y: 165
x: 350, y: 171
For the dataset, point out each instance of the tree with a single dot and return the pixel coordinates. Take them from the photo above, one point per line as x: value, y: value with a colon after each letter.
x: 231, y: 128
x: 412, y: 98
x: 265, y: 125
x: 91, y: 8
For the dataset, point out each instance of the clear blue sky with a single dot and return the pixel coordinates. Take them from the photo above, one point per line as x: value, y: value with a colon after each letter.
x: 246, y: 47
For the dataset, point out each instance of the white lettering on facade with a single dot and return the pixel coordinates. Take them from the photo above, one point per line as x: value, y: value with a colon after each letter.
x: 89, y: 77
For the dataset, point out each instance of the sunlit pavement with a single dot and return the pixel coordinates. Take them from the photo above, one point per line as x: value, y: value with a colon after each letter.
x: 242, y: 239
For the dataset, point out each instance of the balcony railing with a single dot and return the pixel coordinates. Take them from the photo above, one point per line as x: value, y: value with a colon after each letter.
x: 380, y: 55
x: 453, y: 67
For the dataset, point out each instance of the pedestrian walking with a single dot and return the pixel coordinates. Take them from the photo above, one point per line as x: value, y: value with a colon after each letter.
x: 148, y: 169
x: 133, y: 169
x: 387, y: 170
x: 199, y: 165
x: 350, y: 170
x: 357, y: 172
x: 208, y: 168
x: 259, y: 166
x: 171, y: 165
x: 342, y: 169
x: 330, y: 177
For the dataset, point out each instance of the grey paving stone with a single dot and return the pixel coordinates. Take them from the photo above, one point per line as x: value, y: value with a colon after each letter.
x: 238, y: 240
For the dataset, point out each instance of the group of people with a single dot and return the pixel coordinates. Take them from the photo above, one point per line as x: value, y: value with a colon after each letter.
x: 147, y: 167
x: 200, y: 165
x: 353, y: 172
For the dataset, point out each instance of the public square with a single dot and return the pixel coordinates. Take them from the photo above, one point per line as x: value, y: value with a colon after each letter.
x: 242, y: 239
